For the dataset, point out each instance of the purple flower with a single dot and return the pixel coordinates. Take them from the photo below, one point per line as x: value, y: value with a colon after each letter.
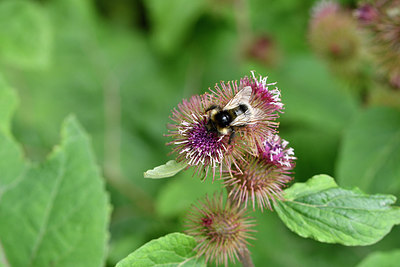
x: 194, y: 144
x: 274, y: 150
x: 268, y: 100
x: 265, y: 101
x: 220, y: 230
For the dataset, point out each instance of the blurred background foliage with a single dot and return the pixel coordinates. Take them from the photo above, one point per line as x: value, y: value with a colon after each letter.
x: 121, y: 66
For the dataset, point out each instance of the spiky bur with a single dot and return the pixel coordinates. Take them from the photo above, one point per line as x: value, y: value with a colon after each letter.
x: 265, y: 102
x: 263, y: 177
x: 333, y: 33
x: 221, y: 230
x: 204, y: 150
x: 382, y: 19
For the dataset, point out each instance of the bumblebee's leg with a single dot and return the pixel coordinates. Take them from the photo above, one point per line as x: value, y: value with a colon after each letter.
x: 211, y: 107
x: 232, y: 135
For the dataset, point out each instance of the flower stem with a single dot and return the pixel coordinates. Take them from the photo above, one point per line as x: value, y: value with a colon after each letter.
x: 245, y: 258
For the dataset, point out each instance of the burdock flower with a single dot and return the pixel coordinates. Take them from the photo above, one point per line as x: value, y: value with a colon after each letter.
x: 194, y: 144
x: 274, y: 151
x: 266, y: 106
x: 333, y: 33
x: 382, y: 19
x: 220, y: 230
x: 262, y: 178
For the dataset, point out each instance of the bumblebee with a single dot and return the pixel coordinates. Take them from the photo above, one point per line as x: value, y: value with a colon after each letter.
x: 237, y: 113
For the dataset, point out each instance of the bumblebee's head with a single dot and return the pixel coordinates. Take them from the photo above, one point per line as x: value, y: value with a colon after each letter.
x: 223, y: 118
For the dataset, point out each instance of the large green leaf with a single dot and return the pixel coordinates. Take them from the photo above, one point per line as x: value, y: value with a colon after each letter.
x: 382, y: 259
x: 25, y: 34
x: 321, y: 210
x: 54, y: 213
x: 175, y: 249
x: 370, y: 154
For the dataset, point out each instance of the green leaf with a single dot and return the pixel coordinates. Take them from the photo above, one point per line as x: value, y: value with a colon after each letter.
x: 8, y: 103
x: 25, y: 34
x: 167, y: 170
x: 321, y: 210
x: 12, y: 164
x: 370, y: 155
x: 382, y: 259
x: 174, y: 249
x: 54, y: 213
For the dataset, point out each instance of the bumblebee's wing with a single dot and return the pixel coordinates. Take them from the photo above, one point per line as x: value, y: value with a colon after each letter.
x: 240, y: 120
x: 243, y: 96
x: 251, y: 116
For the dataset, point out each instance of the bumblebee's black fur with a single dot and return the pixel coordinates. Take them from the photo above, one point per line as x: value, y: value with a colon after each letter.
x: 220, y: 120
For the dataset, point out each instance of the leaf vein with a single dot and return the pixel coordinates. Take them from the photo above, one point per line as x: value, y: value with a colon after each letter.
x: 49, y: 208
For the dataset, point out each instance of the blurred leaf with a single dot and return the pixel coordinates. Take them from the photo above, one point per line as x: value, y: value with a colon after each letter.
x: 327, y: 213
x: 312, y: 96
x: 70, y: 84
x: 57, y: 210
x: 10, y: 152
x: 370, y: 153
x: 8, y: 103
x: 172, y: 20
x: 382, y: 259
x: 175, y: 249
x: 92, y: 61
x: 168, y: 169
x: 25, y: 34
x: 180, y: 193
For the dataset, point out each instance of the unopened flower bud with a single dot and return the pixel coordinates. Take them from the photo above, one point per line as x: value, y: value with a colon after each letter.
x: 221, y: 230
